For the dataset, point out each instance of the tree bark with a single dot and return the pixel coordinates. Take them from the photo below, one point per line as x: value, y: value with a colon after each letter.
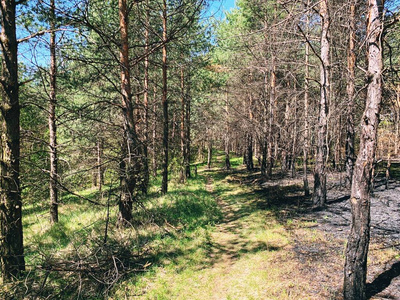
x: 397, y: 116
x: 264, y: 139
x: 187, y: 120
x: 294, y: 142
x: 226, y: 146
x: 264, y: 159
x: 351, y: 63
x: 272, y: 100
x: 11, y: 237
x: 52, y: 119
x: 154, y: 134
x: 129, y: 168
x: 319, y: 195
x: 100, y: 169
x: 183, y: 131
x: 145, y: 160
x: 164, y: 187
x: 387, y: 175
x: 209, y: 154
x: 249, y: 152
x: 355, y: 269
x: 306, y: 125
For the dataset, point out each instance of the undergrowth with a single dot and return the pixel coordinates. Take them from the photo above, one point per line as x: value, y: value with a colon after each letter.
x: 85, y: 254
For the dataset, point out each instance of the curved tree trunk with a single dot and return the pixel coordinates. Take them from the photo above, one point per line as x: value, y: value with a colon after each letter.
x: 355, y: 269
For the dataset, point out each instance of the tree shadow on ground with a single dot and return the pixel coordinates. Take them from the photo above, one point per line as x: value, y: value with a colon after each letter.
x: 383, y: 280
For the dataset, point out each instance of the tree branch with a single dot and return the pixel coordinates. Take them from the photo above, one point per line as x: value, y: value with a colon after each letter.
x: 39, y: 33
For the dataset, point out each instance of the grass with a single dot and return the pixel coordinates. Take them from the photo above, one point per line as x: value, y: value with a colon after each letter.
x: 215, y: 237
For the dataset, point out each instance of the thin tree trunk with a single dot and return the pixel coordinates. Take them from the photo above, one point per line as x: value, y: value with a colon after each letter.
x: 200, y: 152
x: 306, y: 125
x: 128, y: 165
x: 294, y: 142
x: 187, y: 120
x: 145, y: 160
x: 209, y: 156
x: 164, y: 187
x: 264, y: 140
x: 227, y: 159
x: 351, y: 63
x: 387, y: 177
x: 319, y: 195
x: 264, y: 160
x: 249, y: 152
x: 154, y: 135
x: 52, y: 119
x: 397, y: 114
x: 183, y: 150
x: 173, y: 123
x: 286, y: 161
x: 355, y: 269
x: 11, y: 238
x: 100, y: 169
x: 272, y: 100
x: 396, y: 138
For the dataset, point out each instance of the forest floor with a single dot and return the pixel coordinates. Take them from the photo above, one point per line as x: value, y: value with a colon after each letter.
x: 270, y: 244
x: 223, y: 235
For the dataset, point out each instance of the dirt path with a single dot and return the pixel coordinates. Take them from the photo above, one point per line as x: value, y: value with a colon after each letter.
x: 226, y: 239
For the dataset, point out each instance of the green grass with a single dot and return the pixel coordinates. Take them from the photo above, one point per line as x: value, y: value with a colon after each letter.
x: 174, y: 227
